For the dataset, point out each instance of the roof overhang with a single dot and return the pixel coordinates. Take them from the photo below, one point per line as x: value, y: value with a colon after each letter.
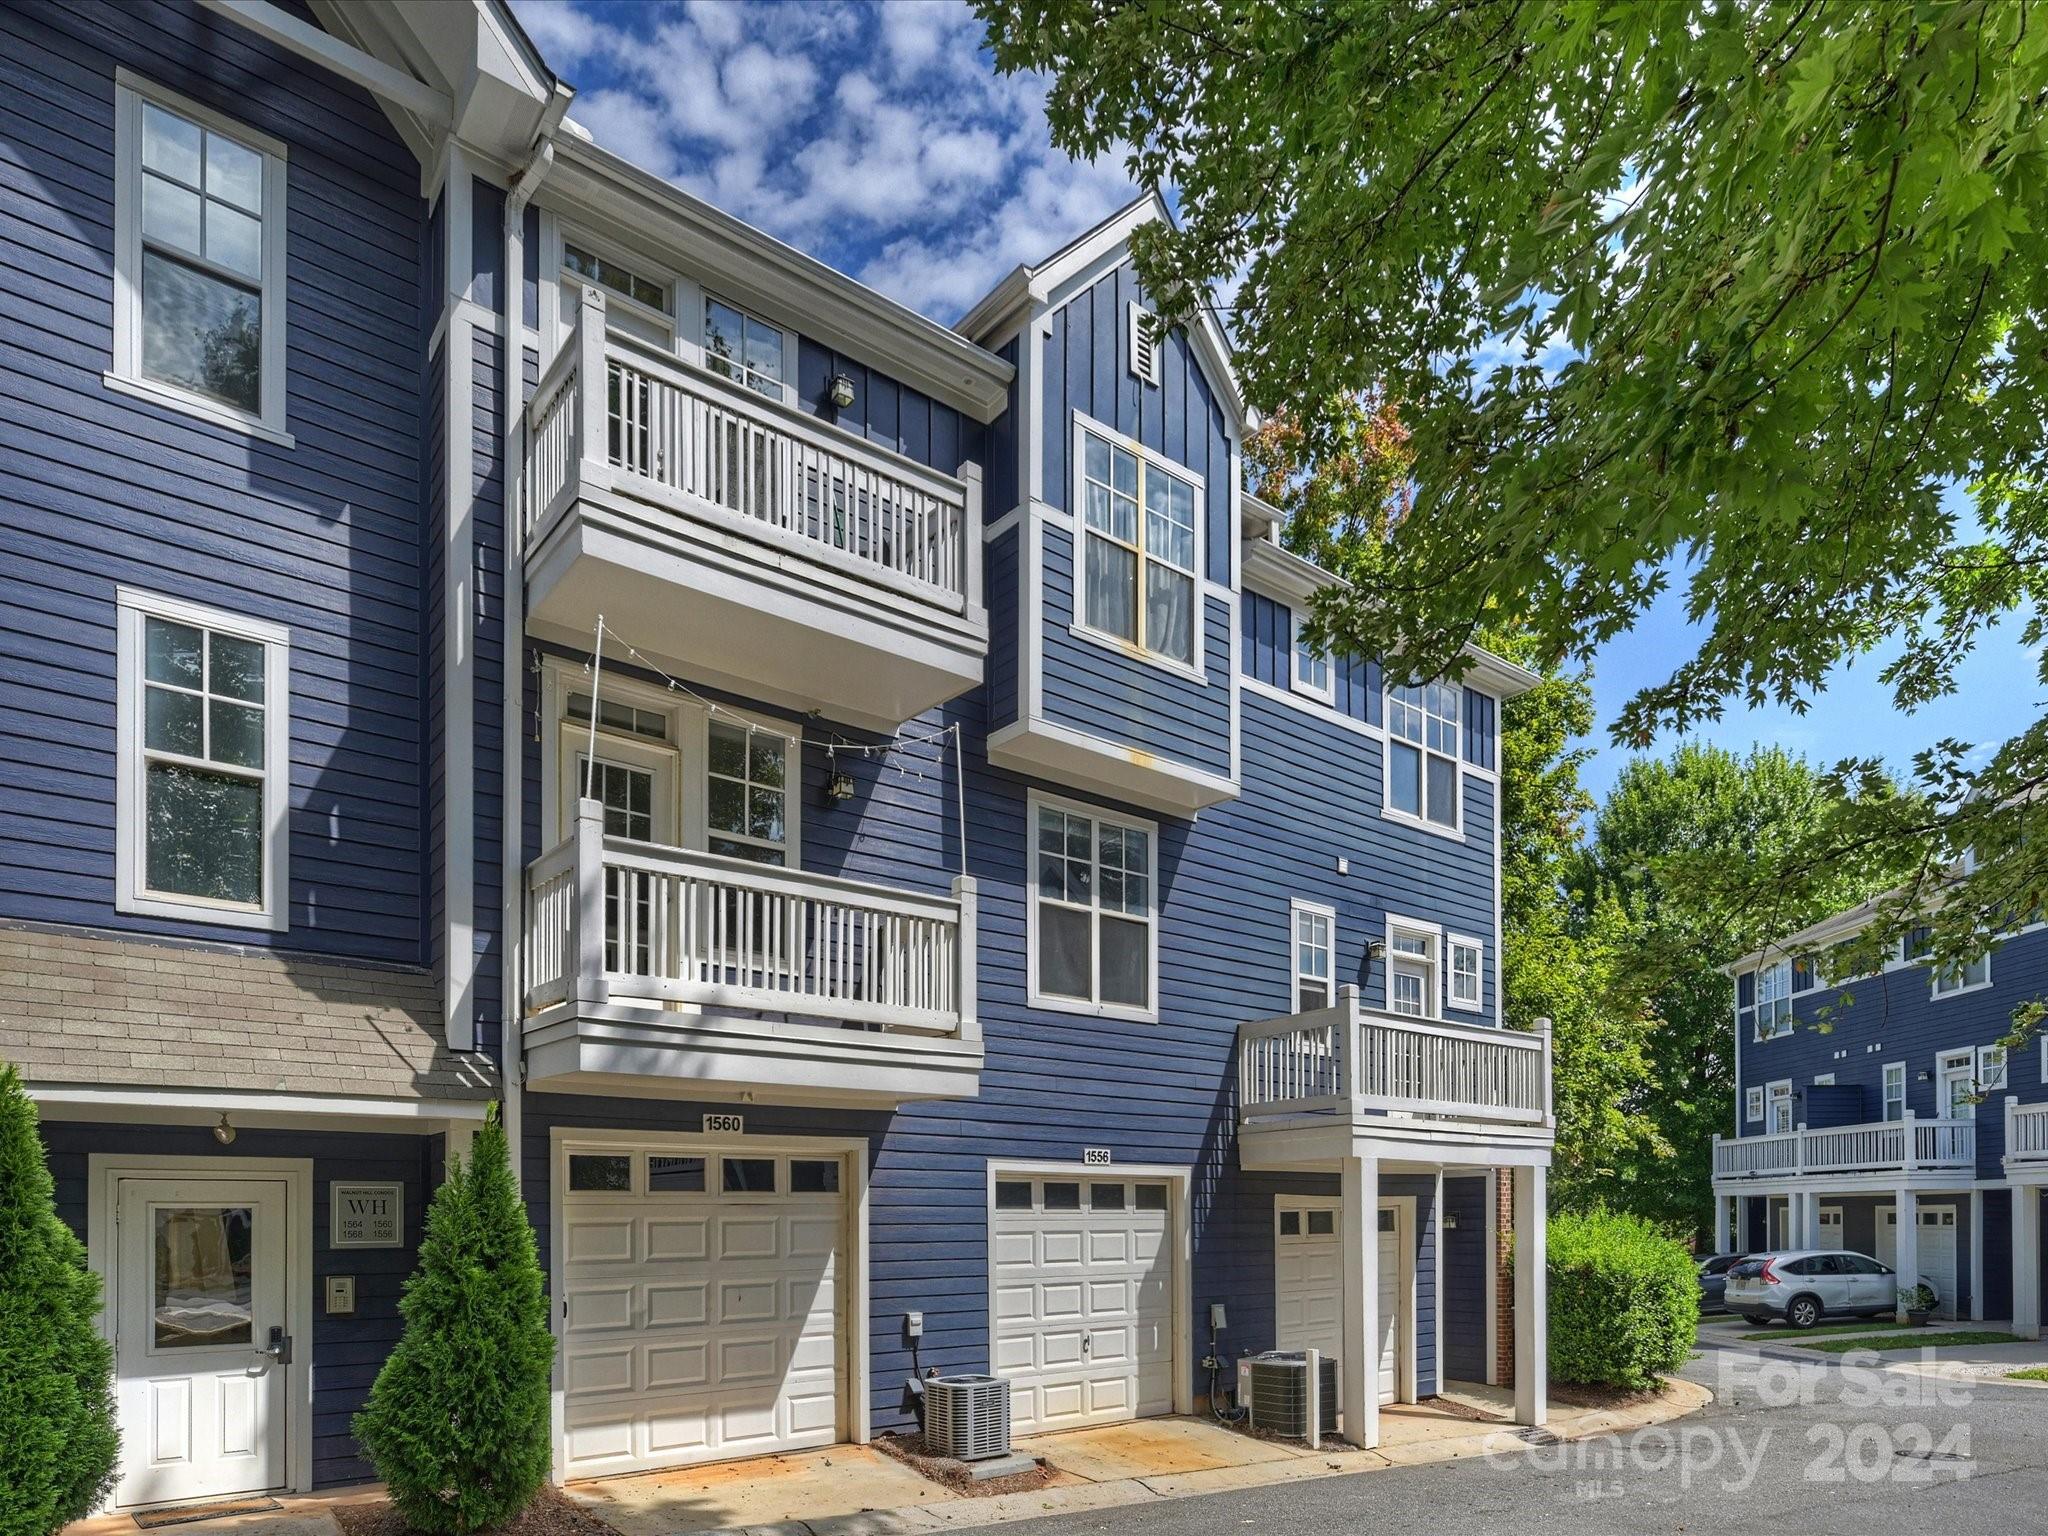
x: 252, y: 1110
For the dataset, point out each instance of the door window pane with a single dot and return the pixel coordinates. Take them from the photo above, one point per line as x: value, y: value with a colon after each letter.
x: 748, y: 793
x: 813, y: 1176
x: 749, y: 1175
x: 609, y: 1173
x: 203, y: 1283
x: 1062, y: 1197
x: 1013, y: 1195
x: 1290, y: 1223
x: 203, y: 834
x: 1151, y: 1197
x: 1322, y: 1223
x: 676, y: 1175
x: 1106, y: 1197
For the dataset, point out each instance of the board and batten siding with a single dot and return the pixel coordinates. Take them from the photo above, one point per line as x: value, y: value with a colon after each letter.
x: 104, y: 489
x: 346, y: 1352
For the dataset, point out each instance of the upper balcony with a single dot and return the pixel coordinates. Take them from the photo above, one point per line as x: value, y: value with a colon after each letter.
x: 2026, y: 1136
x: 657, y: 971
x: 738, y: 539
x: 1311, y: 1086
x: 1907, y: 1148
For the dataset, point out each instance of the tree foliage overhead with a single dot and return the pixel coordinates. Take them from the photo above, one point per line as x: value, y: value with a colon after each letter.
x: 1726, y: 295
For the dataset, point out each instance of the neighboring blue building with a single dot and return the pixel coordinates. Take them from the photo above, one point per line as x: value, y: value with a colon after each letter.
x: 487, y: 626
x: 1901, y: 1127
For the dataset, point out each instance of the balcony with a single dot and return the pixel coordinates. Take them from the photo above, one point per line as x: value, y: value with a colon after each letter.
x: 2026, y: 1135
x: 662, y: 972
x: 742, y: 541
x: 1312, y: 1085
x: 1906, y: 1147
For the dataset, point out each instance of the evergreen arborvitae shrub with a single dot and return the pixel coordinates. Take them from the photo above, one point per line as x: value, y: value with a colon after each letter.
x: 1624, y: 1301
x: 58, y: 1443
x: 457, y: 1423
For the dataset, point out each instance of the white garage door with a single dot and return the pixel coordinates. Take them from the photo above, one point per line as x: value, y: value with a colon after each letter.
x: 1937, y: 1251
x: 703, y: 1308
x: 1309, y: 1286
x: 1393, y: 1304
x: 1083, y: 1299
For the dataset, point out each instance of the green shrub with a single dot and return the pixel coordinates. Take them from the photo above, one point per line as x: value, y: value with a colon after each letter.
x: 457, y: 1423
x: 1624, y: 1301
x: 58, y: 1443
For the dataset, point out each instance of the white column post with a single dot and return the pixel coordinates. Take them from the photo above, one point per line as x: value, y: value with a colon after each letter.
x: 966, y: 891
x: 1907, y: 1205
x: 593, y: 392
x: 1359, y: 1373
x: 1723, y: 1241
x: 970, y: 537
x: 1976, y: 1255
x: 586, y: 911
x: 2026, y: 1261
x: 456, y: 1141
x: 1532, y: 1305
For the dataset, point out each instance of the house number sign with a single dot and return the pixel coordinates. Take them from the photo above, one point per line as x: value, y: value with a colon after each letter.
x: 365, y: 1215
x: 724, y: 1125
x: 1095, y: 1157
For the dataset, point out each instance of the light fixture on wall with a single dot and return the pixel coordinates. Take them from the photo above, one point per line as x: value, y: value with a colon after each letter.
x: 1450, y: 1221
x: 224, y: 1133
x: 839, y: 788
x: 841, y: 393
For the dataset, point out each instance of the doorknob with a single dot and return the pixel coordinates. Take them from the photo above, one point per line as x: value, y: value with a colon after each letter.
x: 280, y: 1346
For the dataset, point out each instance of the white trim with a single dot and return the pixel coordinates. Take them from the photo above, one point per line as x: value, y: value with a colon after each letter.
x: 1179, y: 1180
x: 1753, y: 1104
x: 1772, y: 1098
x: 1456, y: 757
x: 854, y: 1407
x: 105, y: 1170
x: 1326, y: 691
x: 1948, y: 1064
x: 249, y: 1109
x: 131, y: 90
x: 1080, y: 760
x: 132, y: 607
x: 1883, y: 1098
x: 1824, y: 1080
x: 1196, y: 667
x: 1453, y: 942
x: 330, y: 53
x: 459, y: 630
x: 1036, y: 800
x: 1938, y: 993
x: 1296, y: 910
x: 1433, y: 933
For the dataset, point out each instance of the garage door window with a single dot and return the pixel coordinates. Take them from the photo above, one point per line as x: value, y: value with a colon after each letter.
x: 1063, y: 1197
x: 813, y: 1176
x: 749, y: 1175
x: 1106, y: 1197
x: 1151, y: 1197
x: 675, y: 1175
x: 601, y: 1174
x: 1013, y: 1195
x: 1324, y: 1223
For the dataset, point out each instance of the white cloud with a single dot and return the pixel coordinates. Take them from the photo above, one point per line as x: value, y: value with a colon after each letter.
x: 876, y: 137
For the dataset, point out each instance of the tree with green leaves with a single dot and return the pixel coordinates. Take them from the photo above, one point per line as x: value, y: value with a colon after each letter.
x: 1729, y: 296
x: 58, y: 1443
x: 1656, y: 862
x: 457, y: 1423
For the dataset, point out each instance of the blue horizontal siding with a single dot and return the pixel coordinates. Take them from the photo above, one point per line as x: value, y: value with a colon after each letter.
x: 885, y: 411
x: 105, y: 490
x: 999, y: 586
x: 1467, y: 1220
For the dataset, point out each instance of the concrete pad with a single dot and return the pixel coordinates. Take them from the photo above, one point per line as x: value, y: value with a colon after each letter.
x: 1152, y: 1447
x: 1264, y: 1474
x: 1070, y: 1499
x: 808, y: 1486
x: 1000, y: 1466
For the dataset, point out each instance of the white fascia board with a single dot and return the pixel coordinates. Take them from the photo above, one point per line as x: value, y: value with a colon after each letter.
x: 247, y: 1109
x: 754, y: 267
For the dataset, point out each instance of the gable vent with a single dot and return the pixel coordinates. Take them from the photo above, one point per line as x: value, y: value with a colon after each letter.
x: 1145, y: 344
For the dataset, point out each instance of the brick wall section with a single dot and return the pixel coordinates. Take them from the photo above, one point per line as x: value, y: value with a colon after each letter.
x: 1504, y: 1278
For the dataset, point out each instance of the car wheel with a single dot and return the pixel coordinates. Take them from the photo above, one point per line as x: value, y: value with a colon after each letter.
x: 1757, y: 1319
x: 1803, y: 1312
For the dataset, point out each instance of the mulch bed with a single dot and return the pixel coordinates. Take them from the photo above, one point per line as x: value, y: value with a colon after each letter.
x: 552, y: 1513
x: 1570, y: 1395
x: 944, y: 1470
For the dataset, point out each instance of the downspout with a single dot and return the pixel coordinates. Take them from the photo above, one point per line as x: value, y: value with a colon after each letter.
x: 512, y: 816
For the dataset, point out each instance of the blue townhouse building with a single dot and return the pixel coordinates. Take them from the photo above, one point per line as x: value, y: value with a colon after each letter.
x: 484, y: 626
x: 1884, y: 1115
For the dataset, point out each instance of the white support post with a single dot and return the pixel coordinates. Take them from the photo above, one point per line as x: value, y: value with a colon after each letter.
x: 970, y: 536
x: 1315, y: 1399
x: 1532, y: 1298
x: 593, y: 393
x: 456, y: 1141
x: 1909, y: 1143
x: 1976, y: 1255
x: 965, y: 892
x: 2026, y: 1261
x: 1908, y: 1209
x: 1359, y: 1373
x: 1724, y: 1242
x: 586, y: 912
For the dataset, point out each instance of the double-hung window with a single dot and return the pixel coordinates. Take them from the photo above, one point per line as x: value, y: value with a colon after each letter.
x: 747, y: 792
x: 1095, y: 931
x: 1422, y: 753
x: 1138, y: 550
x: 1312, y: 672
x: 1949, y: 981
x: 1991, y: 1075
x: 1412, y: 972
x: 1753, y: 1105
x: 1895, y: 1090
x: 204, y: 748
x: 1467, y: 965
x: 1770, y: 1016
x: 1315, y: 946
x: 745, y: 348
x: 199, y: 259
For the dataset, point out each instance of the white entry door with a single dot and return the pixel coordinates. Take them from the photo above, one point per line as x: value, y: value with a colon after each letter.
x: 1308, y: 1275
x: 1938, y: 1256
x: 703, y: 1307
x: 200, y: 1292
x: 1888, y: 1237
x: 1083, y: 1293
x: 1831, y: 1226
x: 1393, y: 1308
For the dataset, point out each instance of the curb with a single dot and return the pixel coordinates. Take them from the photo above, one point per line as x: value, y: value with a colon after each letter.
x: 1678, y: 1399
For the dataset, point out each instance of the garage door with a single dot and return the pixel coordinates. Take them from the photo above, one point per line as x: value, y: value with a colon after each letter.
x: 703, y: 1309
x: 1937, y: 1251
x: 1083, y: 1299
x: 1392, y: 1304
x: 1308, y: 1279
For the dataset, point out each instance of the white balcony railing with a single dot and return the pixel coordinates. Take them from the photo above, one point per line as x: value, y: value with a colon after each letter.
x: 2026, y: 1132
x: 1344, y: 1058
x: 1910, y: 1145
x: 679, y: 436
x: 613, y: 921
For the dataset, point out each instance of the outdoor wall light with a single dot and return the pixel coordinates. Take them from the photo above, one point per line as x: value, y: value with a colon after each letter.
x: 842, y: 391
x: 839, y: 788
x: 224, y: 1133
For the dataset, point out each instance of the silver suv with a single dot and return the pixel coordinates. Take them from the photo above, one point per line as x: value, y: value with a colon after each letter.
x: 1804, y: 1285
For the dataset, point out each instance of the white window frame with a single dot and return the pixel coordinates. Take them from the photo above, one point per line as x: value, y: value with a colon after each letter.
x: 1456, y: 945
x: 1824, y: 1080
x: 1456, y: 828
x: 1779, y: 1022
x: 1946, y: 984
x: 1195, y: 666
x: 640, y: 266
x: 1300, y: 660
x: 1432, y: 964
x: 125, y: 374
x: 1092, y: 1005
x: 131, y: 893
x: 1753, y: 1104
x: 1772, y: 1099
x: 1884, y: 1090
x: 1296, y: 911
x: 1946, y: 1066
x: 706, y: 297
x: 1994, y: 1068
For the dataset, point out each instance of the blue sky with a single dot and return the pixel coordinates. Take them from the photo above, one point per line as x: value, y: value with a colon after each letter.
x: 877, y: 138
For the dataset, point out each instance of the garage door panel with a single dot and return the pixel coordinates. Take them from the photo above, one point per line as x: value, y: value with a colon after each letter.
x: 678, y: 1304
x: 672, y: 1238
x: 748, y: 1301
x: 1059, y: 1301
x: 590, y: 1372
x: 749, y: 1237
x: 1015, y: 1300
x: 592, y: 1239
x: 1015, y: 1248
x: 600, y: 1308
x: 671, y: 1367
x: 1015, y: 1355
x: 1061, y: 1246
x: 1109, y: 1247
